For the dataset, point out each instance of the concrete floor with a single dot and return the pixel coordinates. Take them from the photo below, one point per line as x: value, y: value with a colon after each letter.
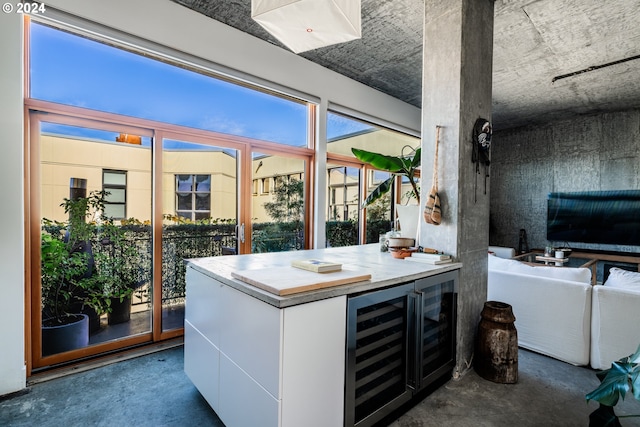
x: 152, y: 390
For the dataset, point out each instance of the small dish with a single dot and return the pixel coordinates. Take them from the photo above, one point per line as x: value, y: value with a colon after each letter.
x: 402, y: 253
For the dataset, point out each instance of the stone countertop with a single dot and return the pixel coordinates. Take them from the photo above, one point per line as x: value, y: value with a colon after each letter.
x: 384, y: 269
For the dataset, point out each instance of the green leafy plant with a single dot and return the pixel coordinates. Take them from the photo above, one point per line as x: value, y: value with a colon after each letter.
x: 403, y: 165
x: 67, y: 264
x: 286, y: 232
x: 623, y: 377
x: 118, y: 272
x: 288, y: 203
x: 63, y: 278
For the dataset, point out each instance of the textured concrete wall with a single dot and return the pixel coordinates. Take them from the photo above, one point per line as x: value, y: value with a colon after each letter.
x: 458, y: 46
x: 599, y: 152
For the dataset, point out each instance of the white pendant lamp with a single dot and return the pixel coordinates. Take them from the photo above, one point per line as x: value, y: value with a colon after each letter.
x: 303, y: 25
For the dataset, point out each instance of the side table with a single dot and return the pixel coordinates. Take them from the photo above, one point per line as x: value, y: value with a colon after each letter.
x: 549, y: 260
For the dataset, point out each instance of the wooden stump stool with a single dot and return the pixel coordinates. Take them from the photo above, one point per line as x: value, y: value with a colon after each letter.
x: 497, y: 344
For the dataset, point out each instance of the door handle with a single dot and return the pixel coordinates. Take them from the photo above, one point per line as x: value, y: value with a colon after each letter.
x: 240, y: 232
x: 412, y: 341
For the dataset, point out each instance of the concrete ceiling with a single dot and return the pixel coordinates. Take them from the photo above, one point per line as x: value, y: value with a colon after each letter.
x: 535, y: 42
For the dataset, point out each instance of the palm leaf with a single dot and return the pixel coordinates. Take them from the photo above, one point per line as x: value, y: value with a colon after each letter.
x: 404, y: 165
x: 380, y: 161
x: 416, y: 159
x: 379, y: 191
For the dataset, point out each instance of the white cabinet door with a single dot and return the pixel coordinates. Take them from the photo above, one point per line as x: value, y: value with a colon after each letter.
x: 313, y: 364
x: 251, y: 337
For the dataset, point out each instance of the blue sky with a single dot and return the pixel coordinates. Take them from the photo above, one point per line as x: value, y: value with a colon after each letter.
x: 73, y: 70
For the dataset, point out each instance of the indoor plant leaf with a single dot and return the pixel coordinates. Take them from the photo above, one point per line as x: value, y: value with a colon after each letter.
x: 415, y: 163
x: 380, y: 161
x: 379, y: 191
x: 623, y: 376
x: 614, y: 384
x: 402, y: 165
x: 635, y: 374
x: 635, y: 357
x: 635, y: 382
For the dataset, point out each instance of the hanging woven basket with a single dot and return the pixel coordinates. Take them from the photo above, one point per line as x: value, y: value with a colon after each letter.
x: 432, y: 212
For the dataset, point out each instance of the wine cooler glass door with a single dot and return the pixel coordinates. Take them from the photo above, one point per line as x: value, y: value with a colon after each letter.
x: 378, y: 328
x: 437, y: 322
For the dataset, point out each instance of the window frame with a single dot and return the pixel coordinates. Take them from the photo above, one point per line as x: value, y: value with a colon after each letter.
x: 106, y: 187
x: 194, y: 192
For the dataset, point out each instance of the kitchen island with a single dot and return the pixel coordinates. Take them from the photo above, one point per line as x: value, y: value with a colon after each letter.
x: 262, y: 359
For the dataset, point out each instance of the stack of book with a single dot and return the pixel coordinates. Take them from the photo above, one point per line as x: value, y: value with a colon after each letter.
x: 316, y: 265
x: 429, y: 258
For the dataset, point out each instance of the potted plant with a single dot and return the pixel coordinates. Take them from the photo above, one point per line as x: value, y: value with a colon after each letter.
x: 67, y: 268
x: 623, y: 377
x: 403, y: 165
x: 118, y: 272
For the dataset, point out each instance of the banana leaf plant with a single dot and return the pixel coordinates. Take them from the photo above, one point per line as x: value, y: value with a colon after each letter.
x: 398, y: 166
x: 623, y: 377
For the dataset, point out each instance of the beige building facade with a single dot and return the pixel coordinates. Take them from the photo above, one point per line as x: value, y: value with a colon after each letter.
x: 65, y: 157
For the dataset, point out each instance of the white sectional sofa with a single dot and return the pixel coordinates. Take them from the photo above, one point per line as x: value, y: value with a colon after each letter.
x: 552, y: 306
x: 615, y: 318
x: 560, y: 314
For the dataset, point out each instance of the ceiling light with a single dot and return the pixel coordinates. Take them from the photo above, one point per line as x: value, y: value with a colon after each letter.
x: 303, y: 25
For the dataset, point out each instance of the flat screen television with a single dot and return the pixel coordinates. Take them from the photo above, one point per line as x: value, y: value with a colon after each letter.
x: 605, y: 217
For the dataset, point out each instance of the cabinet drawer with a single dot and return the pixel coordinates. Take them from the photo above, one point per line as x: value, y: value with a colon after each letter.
x: 243, y: 401
x: 203, y: 305
x: 252, y: 337
x: 202, y: 364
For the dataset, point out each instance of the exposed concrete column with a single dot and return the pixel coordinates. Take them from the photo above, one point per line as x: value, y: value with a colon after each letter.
x: 457, y: 66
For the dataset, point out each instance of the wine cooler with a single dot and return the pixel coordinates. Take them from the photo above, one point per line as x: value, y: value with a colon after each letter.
x: 399, y: 340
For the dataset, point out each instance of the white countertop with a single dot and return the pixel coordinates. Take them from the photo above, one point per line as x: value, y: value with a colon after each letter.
x: 384, y: 269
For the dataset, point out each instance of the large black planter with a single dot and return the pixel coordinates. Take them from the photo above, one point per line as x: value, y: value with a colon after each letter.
x: 58, y: 338
x: 604, y: 416
x: 120, y: 311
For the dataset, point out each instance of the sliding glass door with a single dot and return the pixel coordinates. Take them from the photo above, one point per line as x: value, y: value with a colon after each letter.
x: 118, y: 213
x: 92, y: 244
x: 279, y: 203
x: 199, y: 214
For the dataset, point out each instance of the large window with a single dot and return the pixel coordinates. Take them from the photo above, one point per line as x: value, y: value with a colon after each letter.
x: 169, y: 142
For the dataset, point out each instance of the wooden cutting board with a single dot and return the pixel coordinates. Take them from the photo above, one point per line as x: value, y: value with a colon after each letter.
x: 290, y: 280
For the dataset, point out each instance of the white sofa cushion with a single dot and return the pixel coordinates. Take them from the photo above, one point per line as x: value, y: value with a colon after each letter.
x: 580, y: 274
x: 619, y: 278
x: 553, y: 316
x: 615, y: 316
